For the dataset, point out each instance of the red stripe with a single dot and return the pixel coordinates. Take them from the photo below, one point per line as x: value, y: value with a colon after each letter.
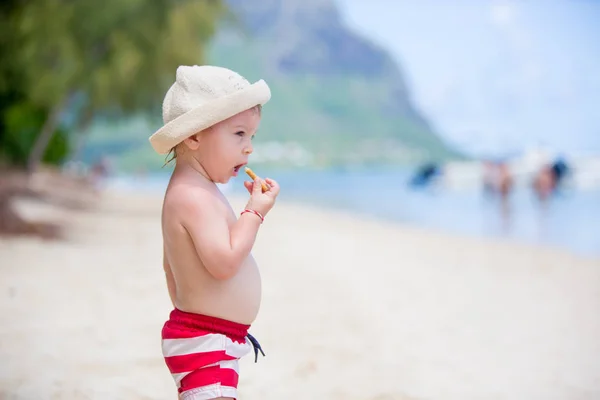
x: 183, y: 324
x: 174, y: 333
x: 170, y: 332
x: 190, y: 362
x: 209, y: 376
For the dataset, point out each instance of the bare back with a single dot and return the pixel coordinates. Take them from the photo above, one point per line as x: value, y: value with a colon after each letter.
x: 191, y: 286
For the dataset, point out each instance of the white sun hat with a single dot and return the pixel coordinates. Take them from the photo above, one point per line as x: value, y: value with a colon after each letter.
x: 201, y: 97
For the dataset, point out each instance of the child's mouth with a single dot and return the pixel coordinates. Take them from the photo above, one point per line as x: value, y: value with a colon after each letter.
x: 237, y: 168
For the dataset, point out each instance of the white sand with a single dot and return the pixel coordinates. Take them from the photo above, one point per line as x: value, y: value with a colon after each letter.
x: 352, y: 309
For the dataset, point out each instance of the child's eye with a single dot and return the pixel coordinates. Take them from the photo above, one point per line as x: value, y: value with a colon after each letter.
x: 240, y: 133
x: 252, y: 138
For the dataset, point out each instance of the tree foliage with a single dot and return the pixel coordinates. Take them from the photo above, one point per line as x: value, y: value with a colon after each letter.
x: 63, y: 62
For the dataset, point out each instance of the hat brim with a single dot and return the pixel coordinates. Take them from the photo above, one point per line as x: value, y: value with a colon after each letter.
x: 207, y: 115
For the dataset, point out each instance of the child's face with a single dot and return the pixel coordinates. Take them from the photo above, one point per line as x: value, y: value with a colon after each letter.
x: 224, y: 148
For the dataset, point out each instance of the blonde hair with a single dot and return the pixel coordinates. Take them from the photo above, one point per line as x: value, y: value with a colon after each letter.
x: 173, y: 152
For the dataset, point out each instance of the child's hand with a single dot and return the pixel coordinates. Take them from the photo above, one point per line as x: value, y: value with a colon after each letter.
x: 259, y: 201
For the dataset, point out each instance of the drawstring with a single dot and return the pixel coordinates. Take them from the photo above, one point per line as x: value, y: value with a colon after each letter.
x: 256, y: 347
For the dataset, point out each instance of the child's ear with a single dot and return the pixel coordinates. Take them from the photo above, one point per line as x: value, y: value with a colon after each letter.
x: 193, y: 142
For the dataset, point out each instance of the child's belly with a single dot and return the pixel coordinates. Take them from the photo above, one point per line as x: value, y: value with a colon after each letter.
x: 236, y: 299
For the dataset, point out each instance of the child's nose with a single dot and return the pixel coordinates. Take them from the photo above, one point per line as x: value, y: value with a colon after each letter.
x: 248, y: 150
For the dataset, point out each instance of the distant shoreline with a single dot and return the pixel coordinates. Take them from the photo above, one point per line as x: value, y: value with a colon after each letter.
x: 331, y: 202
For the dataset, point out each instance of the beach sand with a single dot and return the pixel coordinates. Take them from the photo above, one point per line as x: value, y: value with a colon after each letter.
x: 352, y: 309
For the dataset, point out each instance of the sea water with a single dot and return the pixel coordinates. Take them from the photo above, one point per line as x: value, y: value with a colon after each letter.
x: 569, y: 220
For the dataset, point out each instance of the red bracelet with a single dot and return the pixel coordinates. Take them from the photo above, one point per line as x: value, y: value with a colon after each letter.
x: 262, y: 219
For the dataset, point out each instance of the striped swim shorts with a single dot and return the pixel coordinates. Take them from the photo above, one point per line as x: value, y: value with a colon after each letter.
x: 203, y: 352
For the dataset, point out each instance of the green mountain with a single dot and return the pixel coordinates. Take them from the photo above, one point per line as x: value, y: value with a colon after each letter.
x: 337, y: 99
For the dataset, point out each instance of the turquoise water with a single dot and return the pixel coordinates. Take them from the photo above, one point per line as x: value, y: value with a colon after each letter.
x: 570, y: 220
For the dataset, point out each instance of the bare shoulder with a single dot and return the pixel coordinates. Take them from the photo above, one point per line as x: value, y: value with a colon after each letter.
x: 184, y: 200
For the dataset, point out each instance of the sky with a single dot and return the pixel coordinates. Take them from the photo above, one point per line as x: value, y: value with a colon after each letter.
x: 495, y: 77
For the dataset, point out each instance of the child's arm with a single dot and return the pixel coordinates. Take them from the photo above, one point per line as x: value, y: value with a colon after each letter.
x: 222, y: 250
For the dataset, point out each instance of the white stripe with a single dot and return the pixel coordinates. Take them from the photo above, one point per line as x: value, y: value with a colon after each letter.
x: 200, y: 344
x: 204, y: 344
x: 231, y: 364
x: 209, y: 392
x: 237, y: 350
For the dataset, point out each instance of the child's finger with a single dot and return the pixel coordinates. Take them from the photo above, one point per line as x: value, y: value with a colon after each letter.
x: 274, y: 186
x: 248, y: 186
